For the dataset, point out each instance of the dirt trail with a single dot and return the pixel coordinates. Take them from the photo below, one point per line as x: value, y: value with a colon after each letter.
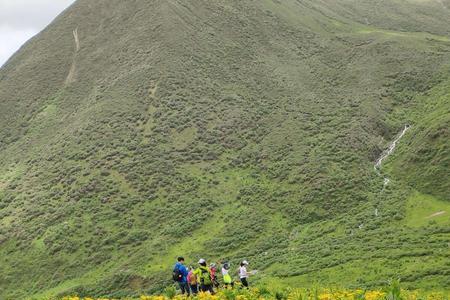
x: 153, y: 90
x: 439, y: 213
x: 71, y: 76
x: 443, y: 4
x: 77, y: 40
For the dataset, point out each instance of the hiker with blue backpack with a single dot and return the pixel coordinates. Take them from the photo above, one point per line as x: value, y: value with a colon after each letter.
x: 180, y: 273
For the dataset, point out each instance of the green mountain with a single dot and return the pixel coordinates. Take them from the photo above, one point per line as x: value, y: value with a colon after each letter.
x: 135, y: 131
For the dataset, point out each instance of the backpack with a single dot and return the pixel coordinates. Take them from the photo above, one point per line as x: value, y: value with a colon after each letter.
x: 205, y: 276
x: 176, y: 275
x: 192, y: 279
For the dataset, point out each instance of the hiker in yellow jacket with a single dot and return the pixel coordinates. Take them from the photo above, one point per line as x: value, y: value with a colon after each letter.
x: 204, y: 275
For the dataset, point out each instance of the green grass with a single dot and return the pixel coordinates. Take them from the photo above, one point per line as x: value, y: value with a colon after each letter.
x: 423, y: 36
x: 422, y: 210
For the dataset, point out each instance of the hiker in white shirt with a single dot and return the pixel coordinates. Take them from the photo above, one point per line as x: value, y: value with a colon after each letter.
x: 243, y: 274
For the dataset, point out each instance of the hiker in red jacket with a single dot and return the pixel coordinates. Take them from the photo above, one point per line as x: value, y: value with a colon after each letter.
x: 214, y: 278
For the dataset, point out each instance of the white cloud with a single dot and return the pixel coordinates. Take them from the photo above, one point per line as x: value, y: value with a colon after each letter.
x: 11, y: 39
x: 30, y: 13
x: 22, y: 19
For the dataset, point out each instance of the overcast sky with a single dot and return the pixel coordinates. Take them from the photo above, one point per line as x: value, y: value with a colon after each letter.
x: 22, y: 19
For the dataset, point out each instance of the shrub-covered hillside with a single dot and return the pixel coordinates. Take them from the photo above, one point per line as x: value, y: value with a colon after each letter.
x: 134, y: 131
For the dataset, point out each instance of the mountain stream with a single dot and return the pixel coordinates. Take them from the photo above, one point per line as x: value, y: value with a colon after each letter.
x: 385, y: 154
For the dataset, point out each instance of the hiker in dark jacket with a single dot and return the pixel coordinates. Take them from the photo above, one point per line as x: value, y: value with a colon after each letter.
x: 180, y: 273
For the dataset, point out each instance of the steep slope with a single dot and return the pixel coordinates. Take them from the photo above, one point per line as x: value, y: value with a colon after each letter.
x: 133, y: 132
x: 424, y: 162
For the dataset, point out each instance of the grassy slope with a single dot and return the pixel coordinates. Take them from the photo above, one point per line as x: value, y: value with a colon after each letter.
x: 425, y: 161
x: 184, y: 117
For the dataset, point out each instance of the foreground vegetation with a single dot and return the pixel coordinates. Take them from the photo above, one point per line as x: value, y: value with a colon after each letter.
x: 393, y: 292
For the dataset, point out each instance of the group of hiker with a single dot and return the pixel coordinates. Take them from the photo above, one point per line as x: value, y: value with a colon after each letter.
x: 205, y: 278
